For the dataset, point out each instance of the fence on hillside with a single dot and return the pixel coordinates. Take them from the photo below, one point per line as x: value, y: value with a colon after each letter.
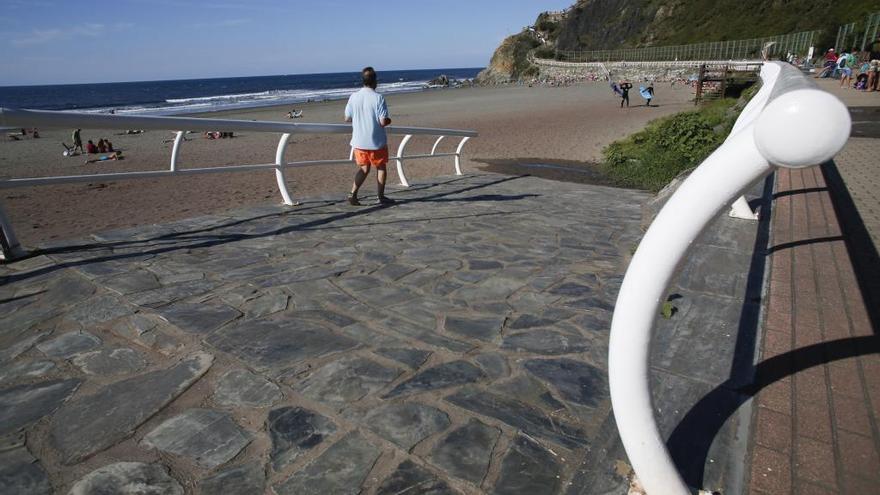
x: 858, y: 34
x: 796, y: 43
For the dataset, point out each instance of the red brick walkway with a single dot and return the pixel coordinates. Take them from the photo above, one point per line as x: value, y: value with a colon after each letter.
x: 816, y: 426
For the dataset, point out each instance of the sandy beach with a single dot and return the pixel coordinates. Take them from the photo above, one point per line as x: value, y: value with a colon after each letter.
x: 517, y: 125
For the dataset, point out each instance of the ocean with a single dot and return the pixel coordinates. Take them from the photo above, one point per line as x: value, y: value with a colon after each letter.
x: 206, y: 95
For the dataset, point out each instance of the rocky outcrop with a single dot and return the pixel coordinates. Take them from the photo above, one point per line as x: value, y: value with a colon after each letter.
x: 510, y: 61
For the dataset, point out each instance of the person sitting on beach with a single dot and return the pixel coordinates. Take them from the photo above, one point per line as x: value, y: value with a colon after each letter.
x: 108, y: 145
x: 35, y: 134
x: 102, y: 147
x: 115, y: 156
x: 91, y: 148
x: 294, y: 114
x: 367, y: 111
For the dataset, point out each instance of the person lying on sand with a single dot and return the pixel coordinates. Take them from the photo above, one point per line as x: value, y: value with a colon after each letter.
x: 115, y: 156
x: 294, y: 114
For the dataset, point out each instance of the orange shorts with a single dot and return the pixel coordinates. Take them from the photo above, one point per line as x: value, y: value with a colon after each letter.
x: 376, y: 158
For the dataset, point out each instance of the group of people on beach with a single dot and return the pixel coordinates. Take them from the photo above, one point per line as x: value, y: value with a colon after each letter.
x: 17, y: 136
x: 856, y: 69
x: 623, y: 87
x: 104, y: 146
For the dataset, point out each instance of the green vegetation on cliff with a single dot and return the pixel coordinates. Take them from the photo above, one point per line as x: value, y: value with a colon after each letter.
x: 608, y: 24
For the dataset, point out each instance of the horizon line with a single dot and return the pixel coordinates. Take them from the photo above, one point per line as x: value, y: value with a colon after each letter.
x: 3, y: 86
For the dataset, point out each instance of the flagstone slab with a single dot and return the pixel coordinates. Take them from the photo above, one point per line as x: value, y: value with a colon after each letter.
x: 408, y: 356
x: 347, y: 380
x: 527, y: 417
x: 128, y: 478
x: 69, y: 345
x: 90, y: 424
x: 249, y: 479
x: 528, y: 469
x: 341, y: 469
x: 107, y: 362
x: 409, y: 477
x: 199, y: 318
x: 208, y: 437
x: 26, y: 370
x: 24, y: 404
x: 466, y: 452
x: 22, y: 474
x: 241, y: 388
x: 576, y: 381
x: 406, y: 424
x: 444, y: 375
x: 278, y: 344
x: 294, y: 431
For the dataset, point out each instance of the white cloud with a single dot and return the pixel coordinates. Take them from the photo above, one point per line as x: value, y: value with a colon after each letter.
x: 91, y: 30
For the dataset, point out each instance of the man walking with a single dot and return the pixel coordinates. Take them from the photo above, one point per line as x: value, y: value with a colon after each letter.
x: 368, y: 113
x: 77, y: 141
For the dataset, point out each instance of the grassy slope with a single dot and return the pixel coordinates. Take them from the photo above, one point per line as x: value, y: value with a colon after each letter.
x: 649, y: 159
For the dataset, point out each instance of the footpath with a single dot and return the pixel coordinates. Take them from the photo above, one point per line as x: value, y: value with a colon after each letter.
x: 817, y: 416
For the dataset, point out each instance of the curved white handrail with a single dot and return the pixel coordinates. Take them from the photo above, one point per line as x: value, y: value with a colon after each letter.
x: 796, y: 125
x: 9, y: 245
x: 400, y: 174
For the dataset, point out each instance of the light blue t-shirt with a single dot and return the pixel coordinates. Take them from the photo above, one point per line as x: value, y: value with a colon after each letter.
x: 366, y: 109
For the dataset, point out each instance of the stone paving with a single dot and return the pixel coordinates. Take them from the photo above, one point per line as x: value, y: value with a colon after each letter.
x: 453, y: 343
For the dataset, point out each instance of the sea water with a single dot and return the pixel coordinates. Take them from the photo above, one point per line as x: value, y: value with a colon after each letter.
x: 206, y: 95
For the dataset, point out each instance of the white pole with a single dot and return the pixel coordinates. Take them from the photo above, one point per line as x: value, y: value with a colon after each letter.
x: 175, y: 151
x: 458, y: 155
x: 436, y: 143
x: 400, y: 150
x: 9, y: 246
x: 279, y: 172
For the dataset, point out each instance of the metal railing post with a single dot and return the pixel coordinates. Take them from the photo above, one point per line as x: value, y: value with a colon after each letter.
x: 458, y: 155
x: 436, y: 143
x: 175, y: 150
x: 399, y: 160
x: 279, y: 170
x: 9, y: 246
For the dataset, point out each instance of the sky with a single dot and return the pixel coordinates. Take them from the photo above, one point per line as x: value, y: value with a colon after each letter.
x: 77, y: 41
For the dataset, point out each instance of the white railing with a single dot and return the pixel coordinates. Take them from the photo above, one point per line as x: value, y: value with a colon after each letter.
x: 48, y: 119
x: 789, y: 123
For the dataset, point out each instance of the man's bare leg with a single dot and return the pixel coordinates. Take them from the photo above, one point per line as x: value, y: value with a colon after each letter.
x: 381, y: 175
x: 359, y: 177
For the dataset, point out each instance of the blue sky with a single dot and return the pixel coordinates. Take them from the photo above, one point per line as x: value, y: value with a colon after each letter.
x: 74, y: 41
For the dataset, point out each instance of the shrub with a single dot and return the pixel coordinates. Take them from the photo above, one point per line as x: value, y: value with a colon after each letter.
x: 649, y: 159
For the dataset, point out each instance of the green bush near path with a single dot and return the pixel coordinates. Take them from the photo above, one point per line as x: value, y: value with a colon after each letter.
x: 652, y: 157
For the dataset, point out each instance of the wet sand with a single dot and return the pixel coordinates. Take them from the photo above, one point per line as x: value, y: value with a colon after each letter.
x: 563, y: 127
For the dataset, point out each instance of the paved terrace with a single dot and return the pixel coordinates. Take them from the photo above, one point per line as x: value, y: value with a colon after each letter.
x: 453, y: 343
x: 817, y: 424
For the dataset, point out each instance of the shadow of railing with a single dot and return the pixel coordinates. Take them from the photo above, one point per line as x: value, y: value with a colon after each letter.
x: 184, y: 241
x: 692, y: 438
